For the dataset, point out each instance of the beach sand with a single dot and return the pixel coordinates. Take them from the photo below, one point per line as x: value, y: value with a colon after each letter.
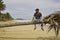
x: 25, y: 32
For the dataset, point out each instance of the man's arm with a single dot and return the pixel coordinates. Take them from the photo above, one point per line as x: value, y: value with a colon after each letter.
x: 33, y: 19
x: 40, y: 15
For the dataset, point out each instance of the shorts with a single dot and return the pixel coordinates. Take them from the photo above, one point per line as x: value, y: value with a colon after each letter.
x: 37, y: 20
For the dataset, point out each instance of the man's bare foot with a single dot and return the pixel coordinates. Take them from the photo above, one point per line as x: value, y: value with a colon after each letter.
x: 34, y: 28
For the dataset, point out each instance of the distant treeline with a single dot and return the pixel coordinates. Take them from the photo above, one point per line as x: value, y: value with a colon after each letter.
x: 5, y: 17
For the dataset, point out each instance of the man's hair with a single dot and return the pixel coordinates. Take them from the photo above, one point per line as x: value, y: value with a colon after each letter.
x: 36, y: 9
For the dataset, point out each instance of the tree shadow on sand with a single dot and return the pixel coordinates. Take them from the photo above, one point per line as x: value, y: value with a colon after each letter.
x: 39, y: 38
x: 48, y: 38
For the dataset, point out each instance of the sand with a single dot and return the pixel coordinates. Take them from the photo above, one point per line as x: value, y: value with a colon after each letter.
x: 25, y: 32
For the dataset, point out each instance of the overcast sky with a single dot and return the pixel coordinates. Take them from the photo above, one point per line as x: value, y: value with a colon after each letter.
x: 25, y: 8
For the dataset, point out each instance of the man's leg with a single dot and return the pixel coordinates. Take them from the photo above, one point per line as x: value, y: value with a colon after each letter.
x: 34, y: 26
x: 42, y: 26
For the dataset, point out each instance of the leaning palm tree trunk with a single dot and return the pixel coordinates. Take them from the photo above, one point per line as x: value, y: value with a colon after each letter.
x: 7, y: 24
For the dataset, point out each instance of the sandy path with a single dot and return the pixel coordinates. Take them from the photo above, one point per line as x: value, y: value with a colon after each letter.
x: 25, y: 33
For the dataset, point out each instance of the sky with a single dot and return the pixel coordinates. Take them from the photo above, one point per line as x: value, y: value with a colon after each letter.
x: 25, y: 8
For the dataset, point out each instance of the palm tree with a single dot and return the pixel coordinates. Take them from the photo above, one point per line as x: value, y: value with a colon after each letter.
x: 2, y: 6
x: 54, y: 21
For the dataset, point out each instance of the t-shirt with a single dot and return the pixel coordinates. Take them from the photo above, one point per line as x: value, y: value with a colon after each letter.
x: 37, y: 15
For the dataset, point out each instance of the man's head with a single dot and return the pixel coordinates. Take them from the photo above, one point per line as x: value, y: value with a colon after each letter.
x: 37, y: 10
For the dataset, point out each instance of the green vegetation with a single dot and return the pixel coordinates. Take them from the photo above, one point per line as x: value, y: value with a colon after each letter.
x: 2, y: 6
x: 3, y: 16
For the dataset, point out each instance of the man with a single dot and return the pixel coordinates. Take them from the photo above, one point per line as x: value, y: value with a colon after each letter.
x: 37, y: 18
